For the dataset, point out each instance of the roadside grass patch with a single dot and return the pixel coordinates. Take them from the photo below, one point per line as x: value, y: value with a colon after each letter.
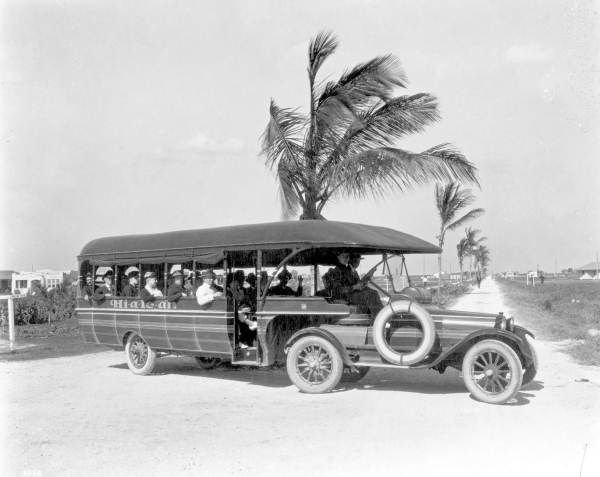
x: 560, y: 310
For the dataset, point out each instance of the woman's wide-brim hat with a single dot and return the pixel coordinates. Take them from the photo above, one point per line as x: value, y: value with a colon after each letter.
x: 148, y: 275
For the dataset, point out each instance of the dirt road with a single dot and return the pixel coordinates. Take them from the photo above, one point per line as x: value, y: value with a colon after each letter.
x: 88, y: 415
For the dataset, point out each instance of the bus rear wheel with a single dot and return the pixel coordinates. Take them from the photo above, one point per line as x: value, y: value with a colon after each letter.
x: 140, y: 357
x: 207, y: 363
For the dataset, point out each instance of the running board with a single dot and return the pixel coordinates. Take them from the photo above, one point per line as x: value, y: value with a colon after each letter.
x: 380, y: 365
x: 245, y: 363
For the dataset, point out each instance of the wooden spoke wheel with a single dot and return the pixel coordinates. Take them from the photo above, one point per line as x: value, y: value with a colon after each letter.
x: 140, y: 357
x: 314, y: 365
x: 492, y: 371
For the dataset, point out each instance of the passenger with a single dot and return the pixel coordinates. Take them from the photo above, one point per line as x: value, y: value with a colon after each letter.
x: 247, y: 327
x: 175, y: 290
x: 282, y: 289
x: 150, y: 292
x: 251, y: 290
x: 347, y: 286
x: 208, y: 291
x: 106, y: 290
x: 236, y: 287
x: 326, y: 291
x: 188, y: 285
x: 87, y: 291
x: 131, y: 289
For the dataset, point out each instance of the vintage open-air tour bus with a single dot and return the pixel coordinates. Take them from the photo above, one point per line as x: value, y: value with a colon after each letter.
x: 321, y: 340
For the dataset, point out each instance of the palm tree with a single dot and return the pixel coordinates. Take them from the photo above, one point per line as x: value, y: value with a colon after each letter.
x: 345, y: 144
x: 473, y: 243
x: 450, y: 200
x: 482, y: 258
x: 462, y: 250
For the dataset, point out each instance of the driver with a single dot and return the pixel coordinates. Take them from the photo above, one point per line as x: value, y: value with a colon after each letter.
x: 346, y: 285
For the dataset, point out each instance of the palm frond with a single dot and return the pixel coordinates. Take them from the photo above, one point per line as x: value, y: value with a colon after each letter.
x: 471, y: 215
x: 377, y: 171
x: 456, y: 165
x: 281, y: 136
x: 382, y: 124
x: 283, y: 152
x: 320, y: 47
x: 376, y: 78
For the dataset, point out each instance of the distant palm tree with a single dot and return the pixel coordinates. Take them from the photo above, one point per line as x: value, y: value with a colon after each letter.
x: 473, y: 243
x: 462, y: 250
x: 345, y: 144
x: 482, y: 258
x: 450, y: 200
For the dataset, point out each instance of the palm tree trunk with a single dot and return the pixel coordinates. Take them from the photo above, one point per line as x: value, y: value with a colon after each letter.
x: 460, y: 265
x: 310, y: 210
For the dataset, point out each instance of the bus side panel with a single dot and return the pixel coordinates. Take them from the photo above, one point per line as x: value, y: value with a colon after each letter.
x: 85, y: 318
x: 214, y: 327
x: 105, y: 324
x: 153, y: 327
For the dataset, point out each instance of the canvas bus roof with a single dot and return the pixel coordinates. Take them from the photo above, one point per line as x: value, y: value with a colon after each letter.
x: 208, y: 245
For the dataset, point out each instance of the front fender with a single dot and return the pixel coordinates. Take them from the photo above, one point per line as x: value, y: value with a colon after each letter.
x: 315, y: 331
x: 516, y: 338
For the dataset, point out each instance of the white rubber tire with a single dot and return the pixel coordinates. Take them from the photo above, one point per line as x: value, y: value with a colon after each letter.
x: 510, y: 362
x: 332, y: 357
x: 137, y: 364
x: 379, y: 328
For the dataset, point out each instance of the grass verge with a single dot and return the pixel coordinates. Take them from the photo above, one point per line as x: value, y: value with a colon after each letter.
x: 565, y: 310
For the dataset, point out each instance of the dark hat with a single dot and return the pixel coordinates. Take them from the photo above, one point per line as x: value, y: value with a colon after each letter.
x: 148, y: 275
x: 176, y: 274
x: 284, y: 275
x: 133, y: 273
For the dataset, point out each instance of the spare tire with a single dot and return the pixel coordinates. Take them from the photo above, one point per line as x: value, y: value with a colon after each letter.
x: 383, y: 347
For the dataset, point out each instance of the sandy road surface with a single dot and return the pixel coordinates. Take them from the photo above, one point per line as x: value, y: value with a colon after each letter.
x: 88, y: 415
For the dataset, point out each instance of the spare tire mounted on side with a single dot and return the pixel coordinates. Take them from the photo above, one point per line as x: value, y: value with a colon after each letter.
x: 383, y: 347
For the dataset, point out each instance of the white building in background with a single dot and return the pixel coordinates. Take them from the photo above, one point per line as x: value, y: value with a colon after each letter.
x: 590, y: 271
x: 22, y: 282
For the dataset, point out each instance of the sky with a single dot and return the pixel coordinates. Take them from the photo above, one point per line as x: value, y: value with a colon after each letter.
x: 145, y: 116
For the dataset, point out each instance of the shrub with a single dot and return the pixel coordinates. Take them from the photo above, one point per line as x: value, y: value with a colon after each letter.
x: 57, y: 304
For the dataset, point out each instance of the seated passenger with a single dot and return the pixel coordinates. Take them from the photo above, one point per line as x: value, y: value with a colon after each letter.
x: 150, y: 293
x: 87, y: 291
x: 175, y: 290
x: 250, y: 293
x: 282, y: 289
x: 188, y: 285
x: 236, y: 287
x: 247, y: 327
x: 131, y: 289
x: 208, y: 291
x: 326, y: 291
x: 105, y: 290
x: 346, y: 285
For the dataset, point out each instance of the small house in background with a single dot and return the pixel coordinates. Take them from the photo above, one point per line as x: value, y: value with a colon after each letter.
x: 6, y: 281
x: 590, y: 271
x: 25, y: 282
